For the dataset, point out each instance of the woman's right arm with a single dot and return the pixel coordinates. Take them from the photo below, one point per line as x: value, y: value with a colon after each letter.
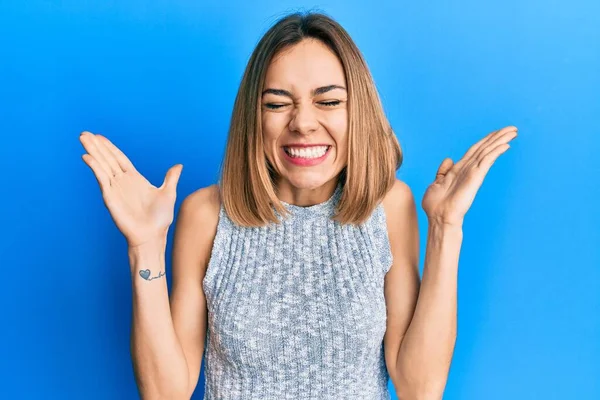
x: 167, y: 338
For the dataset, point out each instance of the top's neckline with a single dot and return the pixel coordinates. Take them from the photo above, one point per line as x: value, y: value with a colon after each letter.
x: 324, y: 208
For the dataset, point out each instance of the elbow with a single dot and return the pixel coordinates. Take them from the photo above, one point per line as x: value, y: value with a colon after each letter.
x: 420, y: 380
x: 156, y: 395
x: 157, y: 384
x: 163, y: 391
x: 419, y: 388
x: 420, y: 393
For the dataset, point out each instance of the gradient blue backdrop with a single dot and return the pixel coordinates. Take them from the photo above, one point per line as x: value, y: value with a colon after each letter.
x: 159, y: 79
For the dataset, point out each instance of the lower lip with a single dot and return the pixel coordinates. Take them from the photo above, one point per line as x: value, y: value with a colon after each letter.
x: 305, y: 162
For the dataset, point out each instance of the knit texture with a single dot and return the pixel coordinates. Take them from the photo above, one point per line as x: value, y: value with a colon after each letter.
x: 296, y: 310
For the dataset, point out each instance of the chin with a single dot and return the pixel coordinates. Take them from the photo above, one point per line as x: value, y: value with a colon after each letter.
x: 308, y: 181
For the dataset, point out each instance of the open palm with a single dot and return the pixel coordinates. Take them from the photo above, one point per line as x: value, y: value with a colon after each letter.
x: 450, y: 196
x: 141, y: 211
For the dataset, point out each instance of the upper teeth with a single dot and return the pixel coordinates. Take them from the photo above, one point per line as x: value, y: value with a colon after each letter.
x: 310, y: 152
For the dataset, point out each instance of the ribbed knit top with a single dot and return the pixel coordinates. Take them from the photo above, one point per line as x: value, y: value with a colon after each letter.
x: 296, y: 310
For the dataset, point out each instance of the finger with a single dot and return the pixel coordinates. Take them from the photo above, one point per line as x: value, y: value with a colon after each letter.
x: 490, y: 157
x: 99, y: 172
x: 504, y: 138
x: 480, y: 144
x: 108, y: 156
x: 444, y: 168
x: 90, y: 144
x: 171, y: 179
x: 493, y: 141
x: 476, y: 146
x: 124, y: 163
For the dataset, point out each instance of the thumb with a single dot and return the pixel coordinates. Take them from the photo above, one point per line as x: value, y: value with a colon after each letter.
x: 444, y: 168
x: 172, y: 177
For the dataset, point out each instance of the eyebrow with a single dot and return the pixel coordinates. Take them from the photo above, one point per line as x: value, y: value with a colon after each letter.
x: 314, y: 92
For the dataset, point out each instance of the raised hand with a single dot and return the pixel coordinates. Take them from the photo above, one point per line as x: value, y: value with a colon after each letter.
x: 141, y: 211
x: 449, y: 197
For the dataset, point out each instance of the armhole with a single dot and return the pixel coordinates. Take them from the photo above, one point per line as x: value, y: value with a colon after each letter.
x: 383, y: 240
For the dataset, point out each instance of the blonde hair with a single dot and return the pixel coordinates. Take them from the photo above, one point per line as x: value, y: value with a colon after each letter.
x: 247, y: 187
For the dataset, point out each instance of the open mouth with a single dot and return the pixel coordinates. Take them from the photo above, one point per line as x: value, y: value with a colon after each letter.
x: 307, y: 153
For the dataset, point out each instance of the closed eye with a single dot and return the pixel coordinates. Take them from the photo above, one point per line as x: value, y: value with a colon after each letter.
x: 274, y: 106
x: 332, y: 103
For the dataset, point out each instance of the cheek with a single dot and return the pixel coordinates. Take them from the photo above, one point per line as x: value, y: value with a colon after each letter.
x: 271, y: 132
x: 337, y: 125
x: 272, y: 126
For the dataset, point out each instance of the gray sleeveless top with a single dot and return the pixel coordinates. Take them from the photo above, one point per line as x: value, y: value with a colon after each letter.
x: 296, y: 310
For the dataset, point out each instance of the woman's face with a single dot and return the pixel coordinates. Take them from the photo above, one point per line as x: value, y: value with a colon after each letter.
x: 304, y: 117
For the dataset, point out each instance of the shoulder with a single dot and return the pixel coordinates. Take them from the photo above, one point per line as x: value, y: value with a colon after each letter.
x: 401, y: 213
x: 398, y: 199
x: 203, y: 204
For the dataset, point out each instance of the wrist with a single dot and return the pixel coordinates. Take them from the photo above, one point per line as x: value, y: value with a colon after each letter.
x: 442, y: 227
x: 445, y: 222
x: 151, y: 245
x: 150, y: 255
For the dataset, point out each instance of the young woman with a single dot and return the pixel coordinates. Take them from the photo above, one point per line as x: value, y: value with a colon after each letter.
x: 296, y: 277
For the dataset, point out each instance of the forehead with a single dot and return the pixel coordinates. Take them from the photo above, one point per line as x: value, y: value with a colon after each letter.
x: 305, y: 65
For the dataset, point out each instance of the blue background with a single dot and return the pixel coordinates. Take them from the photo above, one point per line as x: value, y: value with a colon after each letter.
x: 159, y: 79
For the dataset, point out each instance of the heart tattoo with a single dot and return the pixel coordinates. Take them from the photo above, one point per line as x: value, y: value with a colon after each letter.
x: 145, y: 273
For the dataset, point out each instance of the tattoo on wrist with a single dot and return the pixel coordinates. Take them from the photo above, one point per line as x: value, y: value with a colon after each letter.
x: 145, y: 273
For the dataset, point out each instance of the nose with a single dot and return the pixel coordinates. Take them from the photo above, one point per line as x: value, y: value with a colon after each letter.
x: 304, y: 119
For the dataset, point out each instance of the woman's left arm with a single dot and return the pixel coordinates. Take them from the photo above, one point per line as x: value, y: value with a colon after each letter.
x: 420, y: 351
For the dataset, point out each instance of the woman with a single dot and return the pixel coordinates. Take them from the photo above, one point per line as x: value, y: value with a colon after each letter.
x: 297, y: 276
